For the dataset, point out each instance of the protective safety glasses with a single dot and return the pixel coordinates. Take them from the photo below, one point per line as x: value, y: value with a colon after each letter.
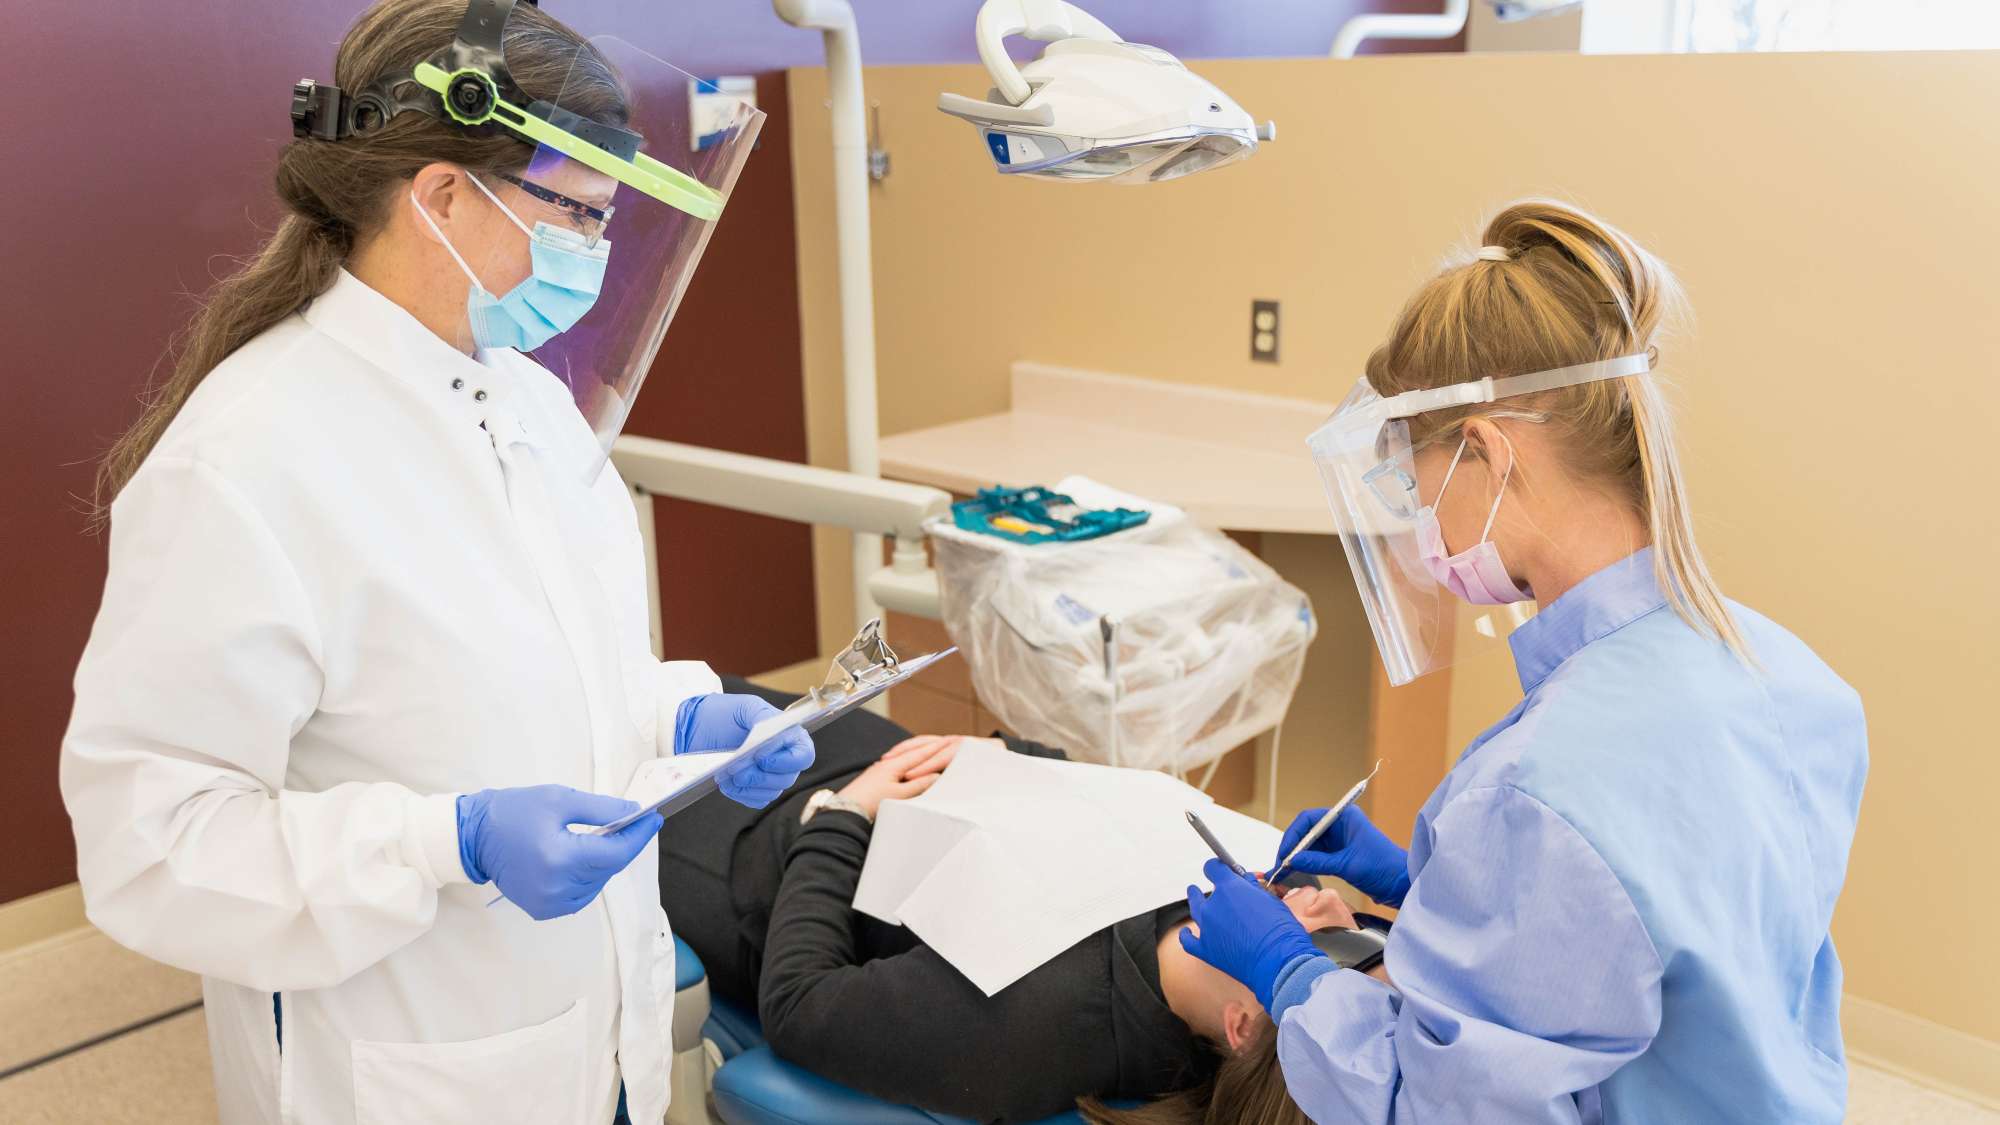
x: 1368, y: 467
x: 587, y: 221
x: 1394, y: 479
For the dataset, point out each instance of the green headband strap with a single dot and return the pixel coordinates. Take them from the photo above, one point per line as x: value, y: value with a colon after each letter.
x: 670, y: 186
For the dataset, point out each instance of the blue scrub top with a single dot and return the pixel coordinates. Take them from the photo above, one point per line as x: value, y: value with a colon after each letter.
x: 1620, y: 894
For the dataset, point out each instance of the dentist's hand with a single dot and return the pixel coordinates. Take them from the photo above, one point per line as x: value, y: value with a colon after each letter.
x: 1353, y: 849
x: 720, y: 722
x: 1245, y: 932
x: 519, y: 839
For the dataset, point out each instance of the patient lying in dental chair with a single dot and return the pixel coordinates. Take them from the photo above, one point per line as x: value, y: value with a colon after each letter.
x: 1126, y: 1013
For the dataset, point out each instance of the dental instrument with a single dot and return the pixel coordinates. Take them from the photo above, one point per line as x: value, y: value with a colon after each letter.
x: 1284, y: 867
x: 1215, y: 845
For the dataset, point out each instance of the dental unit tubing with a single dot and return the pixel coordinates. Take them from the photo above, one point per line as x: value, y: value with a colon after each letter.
x: 1359, y: 29
x: 834, y: 19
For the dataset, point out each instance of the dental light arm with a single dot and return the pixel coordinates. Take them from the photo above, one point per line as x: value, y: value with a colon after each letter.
x: 788, y: 491
x: 1046, y: 21
x: 834, y: 20
x: 1362, y: 28
x: 1443, y: 25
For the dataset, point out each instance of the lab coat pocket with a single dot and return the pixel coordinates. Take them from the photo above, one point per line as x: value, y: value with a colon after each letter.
x: 532, y: 1073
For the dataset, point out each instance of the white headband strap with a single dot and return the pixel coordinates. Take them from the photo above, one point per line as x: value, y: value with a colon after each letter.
x: 1489, y: 389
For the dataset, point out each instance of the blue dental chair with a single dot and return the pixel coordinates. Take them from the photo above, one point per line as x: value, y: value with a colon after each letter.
x: 756, y: 1087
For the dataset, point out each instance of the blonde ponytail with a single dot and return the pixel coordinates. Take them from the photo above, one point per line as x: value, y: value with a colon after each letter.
x: 1678, y: 564
x: 1554, y: 286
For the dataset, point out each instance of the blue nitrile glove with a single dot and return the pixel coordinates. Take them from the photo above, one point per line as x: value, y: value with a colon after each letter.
x: 1245, y: 930
x: 1351, y: 848
x: 720, y: 722
x: 519, y: 839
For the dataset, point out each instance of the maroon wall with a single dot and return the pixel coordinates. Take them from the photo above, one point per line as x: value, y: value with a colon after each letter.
x: 144, y: 136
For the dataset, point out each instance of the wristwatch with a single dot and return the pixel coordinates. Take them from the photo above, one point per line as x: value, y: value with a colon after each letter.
x: 828, y: 799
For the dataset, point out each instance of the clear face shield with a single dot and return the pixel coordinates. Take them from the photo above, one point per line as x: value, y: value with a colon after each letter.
x: 591, y: 244
x: 642, y: 195
x: 1368, y: 466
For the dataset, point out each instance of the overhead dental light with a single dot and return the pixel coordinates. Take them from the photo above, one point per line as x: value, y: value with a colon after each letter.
x: 1094, y: 107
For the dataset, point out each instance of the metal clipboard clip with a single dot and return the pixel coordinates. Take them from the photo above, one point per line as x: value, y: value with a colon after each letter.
x: 866, y: 662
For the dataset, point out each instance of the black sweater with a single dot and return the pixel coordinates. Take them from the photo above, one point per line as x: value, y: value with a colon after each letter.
x: 766, y: 904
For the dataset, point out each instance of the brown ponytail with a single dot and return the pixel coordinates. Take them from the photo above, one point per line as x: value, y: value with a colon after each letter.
x: 337, y: 193
x: 1571, y: 289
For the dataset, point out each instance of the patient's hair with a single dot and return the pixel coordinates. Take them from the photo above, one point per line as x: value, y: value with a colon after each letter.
x: 1247, y: 1088
x: 1572, y: 289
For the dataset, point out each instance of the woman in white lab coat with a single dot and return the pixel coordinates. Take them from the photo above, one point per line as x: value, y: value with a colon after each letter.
x: 374, y: 628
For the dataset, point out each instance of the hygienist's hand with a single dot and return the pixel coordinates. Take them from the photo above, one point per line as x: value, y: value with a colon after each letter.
x: 1243, y: 931
x: 519, y: 840
x: 720, y: 722
x: 889, y: 780
x: 1352, y: 848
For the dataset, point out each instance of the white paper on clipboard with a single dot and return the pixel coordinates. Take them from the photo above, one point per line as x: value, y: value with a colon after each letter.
x: 673, y: 784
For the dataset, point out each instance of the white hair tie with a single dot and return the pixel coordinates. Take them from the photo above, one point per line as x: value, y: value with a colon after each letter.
x: 1494, y: 254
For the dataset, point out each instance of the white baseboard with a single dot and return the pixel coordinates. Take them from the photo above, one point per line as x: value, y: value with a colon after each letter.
x: 39, y: 917
x: 1926, y: 1053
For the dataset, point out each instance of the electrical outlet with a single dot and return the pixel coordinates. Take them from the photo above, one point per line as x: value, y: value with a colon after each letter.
x: 1264, y: 331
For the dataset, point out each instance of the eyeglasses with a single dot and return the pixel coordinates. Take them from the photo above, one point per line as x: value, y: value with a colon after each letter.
x: 587, y: 221
x: 1392, y: 479
x: 1395, y: 488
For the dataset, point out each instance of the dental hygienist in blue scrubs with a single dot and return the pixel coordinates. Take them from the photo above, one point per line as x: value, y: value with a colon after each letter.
x: 1615, y: 907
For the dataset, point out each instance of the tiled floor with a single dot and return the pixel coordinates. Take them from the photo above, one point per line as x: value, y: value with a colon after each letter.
x: 158, y: 1074
x: 71, y: 988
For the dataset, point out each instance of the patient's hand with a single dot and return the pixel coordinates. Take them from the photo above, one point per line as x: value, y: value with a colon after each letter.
x: 888, y: 780
x: 931, y: 753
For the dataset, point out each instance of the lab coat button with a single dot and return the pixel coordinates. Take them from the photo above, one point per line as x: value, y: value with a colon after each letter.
x: 458, y: 384
x: 479, y: 396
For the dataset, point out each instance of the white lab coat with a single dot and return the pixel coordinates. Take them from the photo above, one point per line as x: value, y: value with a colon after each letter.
x: 345, y: 587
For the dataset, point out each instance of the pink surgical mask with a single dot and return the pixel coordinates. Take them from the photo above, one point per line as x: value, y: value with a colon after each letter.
x: 1475, y: 574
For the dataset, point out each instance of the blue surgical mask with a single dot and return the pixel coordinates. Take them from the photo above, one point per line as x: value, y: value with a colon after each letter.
x: 565, y: 277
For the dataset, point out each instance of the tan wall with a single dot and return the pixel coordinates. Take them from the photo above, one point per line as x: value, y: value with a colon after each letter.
x: 1833, y: 219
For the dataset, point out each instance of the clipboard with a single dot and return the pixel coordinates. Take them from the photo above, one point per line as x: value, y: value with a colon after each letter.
x: 864, y: 670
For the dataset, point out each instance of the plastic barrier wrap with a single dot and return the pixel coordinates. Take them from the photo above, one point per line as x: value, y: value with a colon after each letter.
x: 1161, y: 647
